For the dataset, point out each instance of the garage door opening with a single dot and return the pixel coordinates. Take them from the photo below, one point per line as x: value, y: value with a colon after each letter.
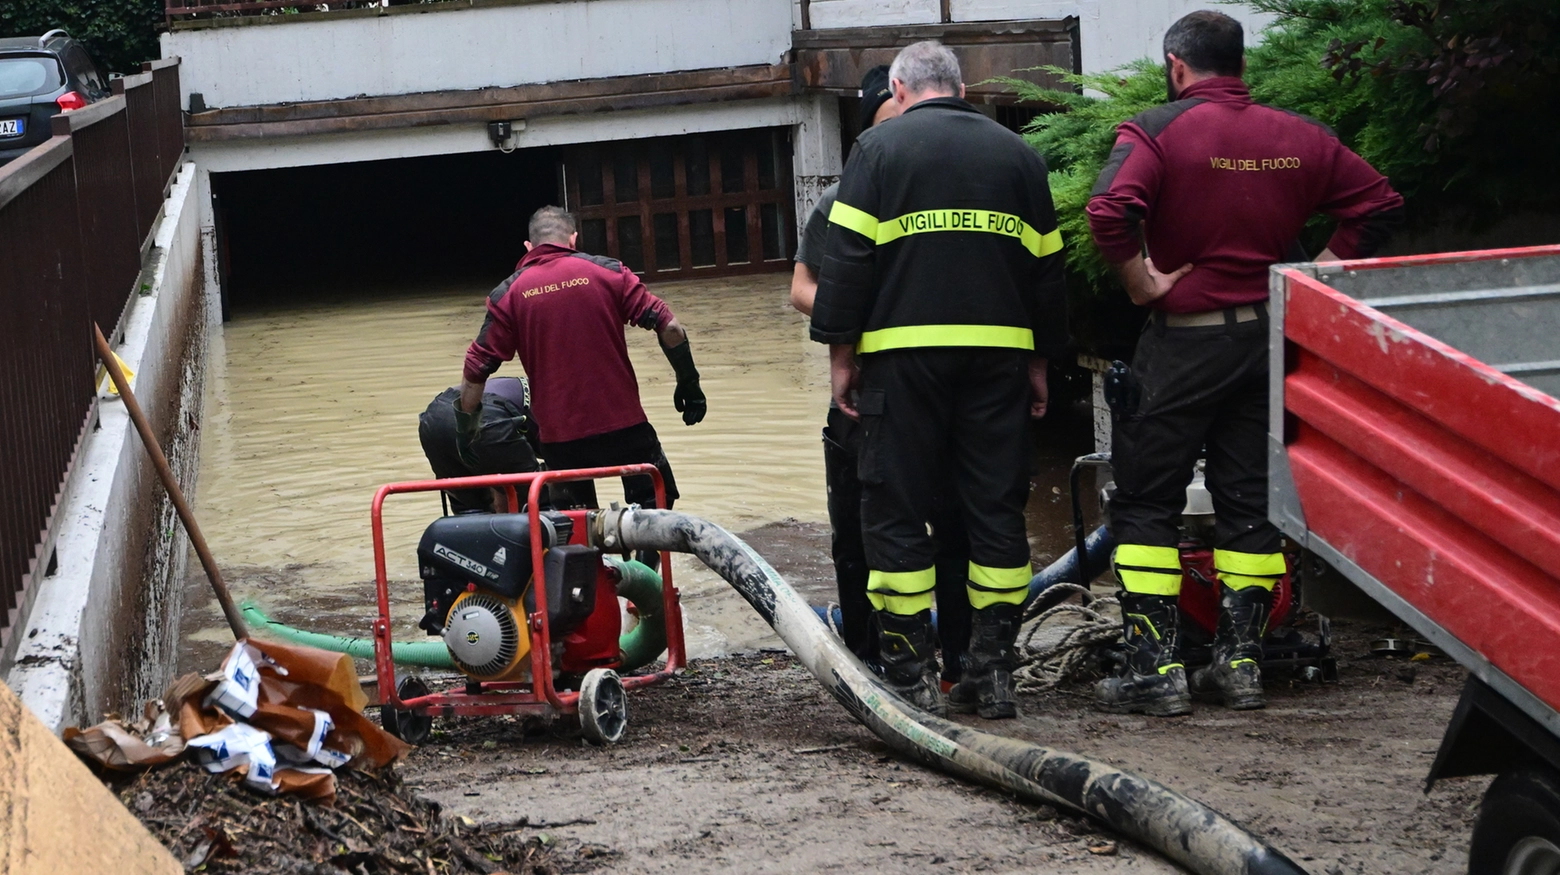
x: 296, y: 232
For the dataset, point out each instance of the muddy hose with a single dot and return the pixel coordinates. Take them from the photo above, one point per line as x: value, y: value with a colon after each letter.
x: 639, y: 583
x: 1183, y: 830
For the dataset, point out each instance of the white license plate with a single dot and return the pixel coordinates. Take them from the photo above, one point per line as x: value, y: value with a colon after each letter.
x: 12, y: 127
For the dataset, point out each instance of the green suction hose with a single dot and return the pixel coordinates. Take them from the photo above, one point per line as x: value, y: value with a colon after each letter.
x: 427, y: 654
x: 640, y: 646
x: 641, y: 585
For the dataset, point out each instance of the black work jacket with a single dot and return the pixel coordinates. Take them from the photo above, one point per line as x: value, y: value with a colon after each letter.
x: 943, y: 234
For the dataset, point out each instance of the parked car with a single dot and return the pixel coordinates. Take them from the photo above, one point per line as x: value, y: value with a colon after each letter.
x: 39, y: 77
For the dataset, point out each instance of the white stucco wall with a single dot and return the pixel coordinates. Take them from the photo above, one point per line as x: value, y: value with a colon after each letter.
x: 64, y: 670
x: 327, y: 58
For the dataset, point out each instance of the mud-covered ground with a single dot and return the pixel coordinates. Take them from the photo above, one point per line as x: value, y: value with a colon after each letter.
x: 745, y: 765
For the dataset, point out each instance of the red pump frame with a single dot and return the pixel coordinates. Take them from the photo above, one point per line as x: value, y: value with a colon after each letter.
x: 538, y: 696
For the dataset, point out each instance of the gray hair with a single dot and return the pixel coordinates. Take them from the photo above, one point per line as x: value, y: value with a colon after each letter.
x: 550, y: 225
x: 927, y: 66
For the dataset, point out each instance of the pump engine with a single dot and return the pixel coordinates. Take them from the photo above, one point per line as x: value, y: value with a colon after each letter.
x: 479, y: 589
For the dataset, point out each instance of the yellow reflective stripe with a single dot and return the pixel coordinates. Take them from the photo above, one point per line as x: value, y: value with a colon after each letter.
x: 847, y: 216
x: 1250, y: 564
x: 985, y: 221
x: 1244, y: 570
x: 1148, y: 570
x: 907, y: 605
x: 902, y: 582
x: 915, y: 336
x: 998, y: 586
x: 927, y: 221
x: 1166, y: 559
x: 986, y: 577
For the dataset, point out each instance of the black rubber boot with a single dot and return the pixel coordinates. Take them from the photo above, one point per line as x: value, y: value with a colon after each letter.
x: 1235, y: 677
x: 1153, y: 682
x: 986, y: 688
x: 907, y: 652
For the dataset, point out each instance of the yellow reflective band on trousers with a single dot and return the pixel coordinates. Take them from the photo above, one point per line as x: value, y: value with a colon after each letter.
x: 1243, y: 570
x: 1148, y: 570
x: 998, y: 586
x: 901, y: 592
x: 914, y: 336
x: 928, y: 221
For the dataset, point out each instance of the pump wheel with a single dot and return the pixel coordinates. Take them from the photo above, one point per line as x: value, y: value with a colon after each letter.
x: 603, y: 706
x: 1518, y: 830
x: 406, y: 725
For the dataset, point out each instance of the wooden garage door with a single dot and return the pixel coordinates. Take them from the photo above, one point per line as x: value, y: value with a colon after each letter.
x: 679, y: 207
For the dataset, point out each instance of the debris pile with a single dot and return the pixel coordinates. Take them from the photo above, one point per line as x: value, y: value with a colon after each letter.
x: 217, y: 823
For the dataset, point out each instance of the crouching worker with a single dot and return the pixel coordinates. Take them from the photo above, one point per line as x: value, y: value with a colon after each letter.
x: 507, y: 442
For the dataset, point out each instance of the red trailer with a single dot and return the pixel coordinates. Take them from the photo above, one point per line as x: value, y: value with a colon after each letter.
x: 1415, y: 448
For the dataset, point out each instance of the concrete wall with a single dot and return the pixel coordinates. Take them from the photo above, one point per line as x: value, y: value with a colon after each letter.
x: 275, y: 60
x: 101, y: 634
x: 1111, y: 33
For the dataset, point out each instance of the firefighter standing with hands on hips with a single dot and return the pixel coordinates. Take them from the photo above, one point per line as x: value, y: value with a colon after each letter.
x: 1197, y: 200
x: 943, y: 272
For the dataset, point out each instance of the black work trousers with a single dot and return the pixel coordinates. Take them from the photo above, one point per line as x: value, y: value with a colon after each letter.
x: 841, y: 446
x: 1201, y: 390
x: 626, y: 446
x: 932, y: 416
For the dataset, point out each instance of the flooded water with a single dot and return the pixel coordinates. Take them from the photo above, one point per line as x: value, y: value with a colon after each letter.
x: 312, y: 404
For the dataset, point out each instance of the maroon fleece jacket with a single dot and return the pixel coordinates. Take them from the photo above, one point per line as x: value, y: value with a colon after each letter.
x: 1224, y: 184
x: 563, y: 312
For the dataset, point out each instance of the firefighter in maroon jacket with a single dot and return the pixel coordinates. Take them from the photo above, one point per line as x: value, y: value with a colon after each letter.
x: 1215, y: 188
x: 563, y: 312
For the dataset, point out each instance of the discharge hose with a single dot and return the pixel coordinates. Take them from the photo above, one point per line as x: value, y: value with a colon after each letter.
x: 1182, y: 829
x: 639, y: 583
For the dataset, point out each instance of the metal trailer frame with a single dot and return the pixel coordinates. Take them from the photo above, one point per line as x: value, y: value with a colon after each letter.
x: 1428, y: 478
x: 536, y: 697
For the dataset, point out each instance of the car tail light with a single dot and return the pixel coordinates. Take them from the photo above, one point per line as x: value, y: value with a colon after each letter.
x: 71, y: 100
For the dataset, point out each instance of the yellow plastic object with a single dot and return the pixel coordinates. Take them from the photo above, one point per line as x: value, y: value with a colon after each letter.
x: 102, y: 375
x: 514, y: 666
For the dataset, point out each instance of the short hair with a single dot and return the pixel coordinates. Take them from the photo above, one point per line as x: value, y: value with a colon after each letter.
x: 1208, y: 41
x: 550, y: 225
x: 927, y: 66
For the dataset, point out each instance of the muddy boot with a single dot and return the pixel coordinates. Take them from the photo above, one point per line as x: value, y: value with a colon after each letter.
x: 906, y: 651
x: 1153, y: 681
x: 986, y: 688
x: 1235, y: 677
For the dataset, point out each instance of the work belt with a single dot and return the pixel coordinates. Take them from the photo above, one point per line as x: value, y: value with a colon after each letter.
x: 1209, y: 318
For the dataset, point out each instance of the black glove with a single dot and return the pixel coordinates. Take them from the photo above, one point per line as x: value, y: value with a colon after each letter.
x: 688, y: 398
x: 466, y: 427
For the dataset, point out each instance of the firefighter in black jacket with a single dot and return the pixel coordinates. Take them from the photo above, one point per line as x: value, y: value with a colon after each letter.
x: 943, y: 272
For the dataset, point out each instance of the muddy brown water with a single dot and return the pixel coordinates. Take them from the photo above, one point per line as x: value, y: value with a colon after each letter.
x: 312, y: 404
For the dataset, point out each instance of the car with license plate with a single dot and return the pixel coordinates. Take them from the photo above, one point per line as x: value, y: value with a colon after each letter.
x: 40, y: 77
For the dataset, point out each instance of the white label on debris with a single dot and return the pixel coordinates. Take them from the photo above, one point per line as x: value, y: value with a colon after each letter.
x: 239, y: 745
x: 238, y: 692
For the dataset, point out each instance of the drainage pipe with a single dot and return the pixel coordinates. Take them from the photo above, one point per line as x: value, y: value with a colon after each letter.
x: 1182, y: 829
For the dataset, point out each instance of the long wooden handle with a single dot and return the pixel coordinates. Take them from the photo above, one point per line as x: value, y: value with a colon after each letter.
x: 165, y: 473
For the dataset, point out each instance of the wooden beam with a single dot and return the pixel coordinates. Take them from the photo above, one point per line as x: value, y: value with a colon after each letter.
x: 33, y: 165
x: 448, y: 108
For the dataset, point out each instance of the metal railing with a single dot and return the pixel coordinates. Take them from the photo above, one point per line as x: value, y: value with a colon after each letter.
x: 76, y: 219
